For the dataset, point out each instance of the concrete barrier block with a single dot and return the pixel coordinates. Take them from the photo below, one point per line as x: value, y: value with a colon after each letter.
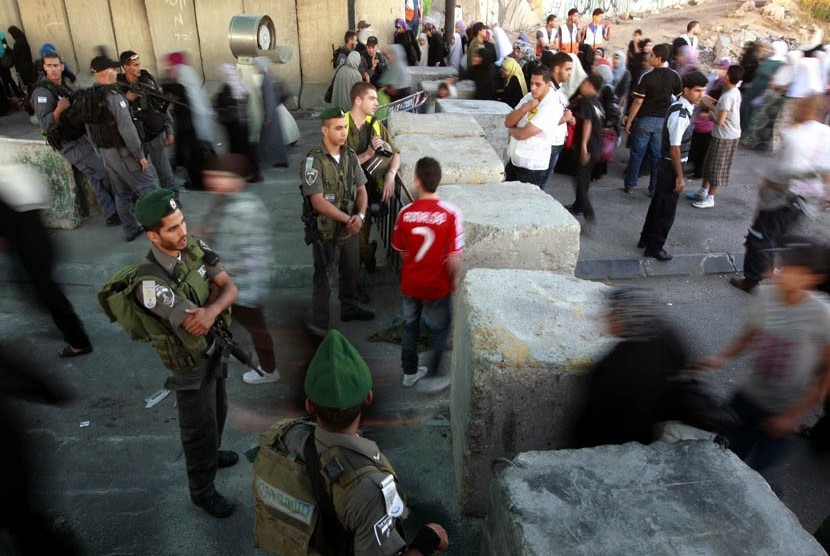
x: 515, y: 225
x: 489, y: 113
x: 69, y: 203
x: 439, y: 125
x: 420, y: 74
x: 465, y: 89
x: 523, y: 340
x: 463, y: 159
x: 685, y: 498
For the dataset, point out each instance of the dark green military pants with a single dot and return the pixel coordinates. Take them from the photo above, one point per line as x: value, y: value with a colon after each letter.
x: 343, y: 254
x: 202, y: 416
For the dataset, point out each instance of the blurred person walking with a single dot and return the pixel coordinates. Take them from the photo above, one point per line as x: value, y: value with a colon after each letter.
x: 231, y: 105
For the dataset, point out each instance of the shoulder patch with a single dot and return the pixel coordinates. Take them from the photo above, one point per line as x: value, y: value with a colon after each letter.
x: 393, y: 502
x: 41, y: 100
x: 383, y: 529
x: 311, y: 173
x: 122, y: 103
x: 148, y: 293
x: 167, y: 296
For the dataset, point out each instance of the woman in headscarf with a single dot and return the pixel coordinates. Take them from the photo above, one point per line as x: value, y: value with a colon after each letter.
x: 461, y: 29
x: 423, y: 49
x: 586, y: 57
x: 456, y: 51
x: 515, y: 87
x: 22, y: 57
x: 523, y: 52
x: 483, y: 77
x: 406, y: 39
x: 502, y: 44
x: 396, y: 80
x: 629, y: 390
x: 231, y: 105
x: 621, y: 77
x: 761, y: 82
x: 194, y: 123
x: 611, y: 106
x: 345, y: 78
x: 10, y: 89
x: 271, y: 146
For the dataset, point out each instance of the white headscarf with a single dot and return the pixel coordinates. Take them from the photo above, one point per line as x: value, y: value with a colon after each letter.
x: 578, y: 75
x: 779, y: 51
x: 503, y: 45
x: 424, y: 49
x: 197, y: 101
x: 233, y: 80
x: 454, y: 58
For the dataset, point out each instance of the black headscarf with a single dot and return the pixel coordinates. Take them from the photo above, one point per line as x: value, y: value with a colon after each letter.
x: 22, y: 56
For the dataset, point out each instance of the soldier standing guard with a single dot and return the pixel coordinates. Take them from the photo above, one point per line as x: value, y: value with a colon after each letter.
x: 174, y: 286
x: 333, y: 184
x: 117, y: 141
x: 50, y: 98
x: 154, y: 128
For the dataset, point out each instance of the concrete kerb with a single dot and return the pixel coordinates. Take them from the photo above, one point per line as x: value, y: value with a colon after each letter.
x: 695, y: 264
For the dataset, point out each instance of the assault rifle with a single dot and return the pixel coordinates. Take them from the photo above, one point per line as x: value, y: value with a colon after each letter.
x: 312, y: 233
x: 226, y: 346
x: 149, y: 98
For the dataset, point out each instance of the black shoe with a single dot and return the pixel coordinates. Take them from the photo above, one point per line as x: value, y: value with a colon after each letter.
x: 131, y: 237
x: 641, y: 244
x: 113, y: 221
x: 226, y: 458
x: 662, y: 255
x: 216, y: 505
x: 628, y: 190
x: 357, y: 314
x: 743, y: 284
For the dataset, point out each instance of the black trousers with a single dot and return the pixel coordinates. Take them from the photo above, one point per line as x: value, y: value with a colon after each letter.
x: 582, y: 181
x: 202, y: 415
x: 33, y: 248
x: 661, y: 211
x: 767, y: 232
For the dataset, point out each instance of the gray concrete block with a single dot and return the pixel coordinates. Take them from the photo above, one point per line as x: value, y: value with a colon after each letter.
x: 489, y: 113
x: 420, y: 74
x: 689, y: 498
x: 69, y: 205
x: 438, y: 125
x: 465, y: 89
x: 717, y: 263
x: 515, y: 225
x: 463, y: 159
x: 738, y: 260
x: 522, y: 341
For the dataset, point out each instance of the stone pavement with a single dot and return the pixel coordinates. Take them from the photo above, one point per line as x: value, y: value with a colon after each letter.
x: 120, y: 482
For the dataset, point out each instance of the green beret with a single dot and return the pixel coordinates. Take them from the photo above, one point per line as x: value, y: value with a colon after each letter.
x: 332, y: 112
x: 337, y: 376
x: 151, y: 208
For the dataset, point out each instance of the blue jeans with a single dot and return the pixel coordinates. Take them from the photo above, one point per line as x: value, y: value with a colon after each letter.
x: 646, y: 134
x: 437, y: 317
x: 555, y: 151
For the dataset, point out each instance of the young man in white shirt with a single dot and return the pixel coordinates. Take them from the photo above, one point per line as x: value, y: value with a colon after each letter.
x: 726, y: 135
x: 569, y: 33
x: 561, y: 65
x: 531, y: 126
x: 596, y: 33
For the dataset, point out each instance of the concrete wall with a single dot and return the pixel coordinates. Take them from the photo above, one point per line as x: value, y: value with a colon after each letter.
x: 132, y: 31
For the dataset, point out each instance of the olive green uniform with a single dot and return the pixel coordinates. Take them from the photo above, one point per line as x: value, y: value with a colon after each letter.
x: 370, y: 508
x: 339, y: 182
x: 197, y: 379
x: 359, y: 140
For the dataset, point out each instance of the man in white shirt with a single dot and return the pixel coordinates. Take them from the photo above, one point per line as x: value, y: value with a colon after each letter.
x: 596, y: 33
x: 531, y: 126
x: 691, y: 35
x: 561, y: 65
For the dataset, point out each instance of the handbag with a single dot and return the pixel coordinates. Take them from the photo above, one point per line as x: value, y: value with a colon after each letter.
x: 609, y: 145
x: 571, y: 136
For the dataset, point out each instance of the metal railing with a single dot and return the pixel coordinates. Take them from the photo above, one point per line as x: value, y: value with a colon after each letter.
x: 385, y: 224
x: 411, y: 103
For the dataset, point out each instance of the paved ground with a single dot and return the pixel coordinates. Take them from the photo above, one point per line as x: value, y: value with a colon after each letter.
x: 120, y: 482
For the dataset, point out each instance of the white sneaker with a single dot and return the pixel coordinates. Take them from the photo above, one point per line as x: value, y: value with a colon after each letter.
x: 410, y: 380
x: 706, y: 203
x: 253, y: 377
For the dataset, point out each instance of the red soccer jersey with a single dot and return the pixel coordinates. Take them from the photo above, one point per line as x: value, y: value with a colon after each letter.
x: 427, y: 232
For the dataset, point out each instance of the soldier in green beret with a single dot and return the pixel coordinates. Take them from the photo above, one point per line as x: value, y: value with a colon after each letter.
x: 175, y: 283
x: 334, y: 184
x: 321, y: 488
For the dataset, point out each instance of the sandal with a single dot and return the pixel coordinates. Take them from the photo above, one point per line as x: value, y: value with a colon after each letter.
x: 67, y: 351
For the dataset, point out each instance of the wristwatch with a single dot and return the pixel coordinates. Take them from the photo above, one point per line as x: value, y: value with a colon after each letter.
x: 362, y: 216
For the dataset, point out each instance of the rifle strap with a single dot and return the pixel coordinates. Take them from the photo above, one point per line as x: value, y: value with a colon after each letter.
x: 334, y: 535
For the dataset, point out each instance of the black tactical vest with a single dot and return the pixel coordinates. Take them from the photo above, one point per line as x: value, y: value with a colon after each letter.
x: 686, y: 142
x: 104, y: 132
x: 148, y: 122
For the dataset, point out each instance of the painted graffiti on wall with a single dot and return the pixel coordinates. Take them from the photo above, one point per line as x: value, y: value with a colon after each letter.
x: 177, y: 11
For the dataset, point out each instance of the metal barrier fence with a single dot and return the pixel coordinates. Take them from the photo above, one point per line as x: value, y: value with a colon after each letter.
x: 386, y: 224
x: 411, y: 103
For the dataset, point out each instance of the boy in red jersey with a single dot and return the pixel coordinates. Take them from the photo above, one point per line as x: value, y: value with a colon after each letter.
x: 430, y: 237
